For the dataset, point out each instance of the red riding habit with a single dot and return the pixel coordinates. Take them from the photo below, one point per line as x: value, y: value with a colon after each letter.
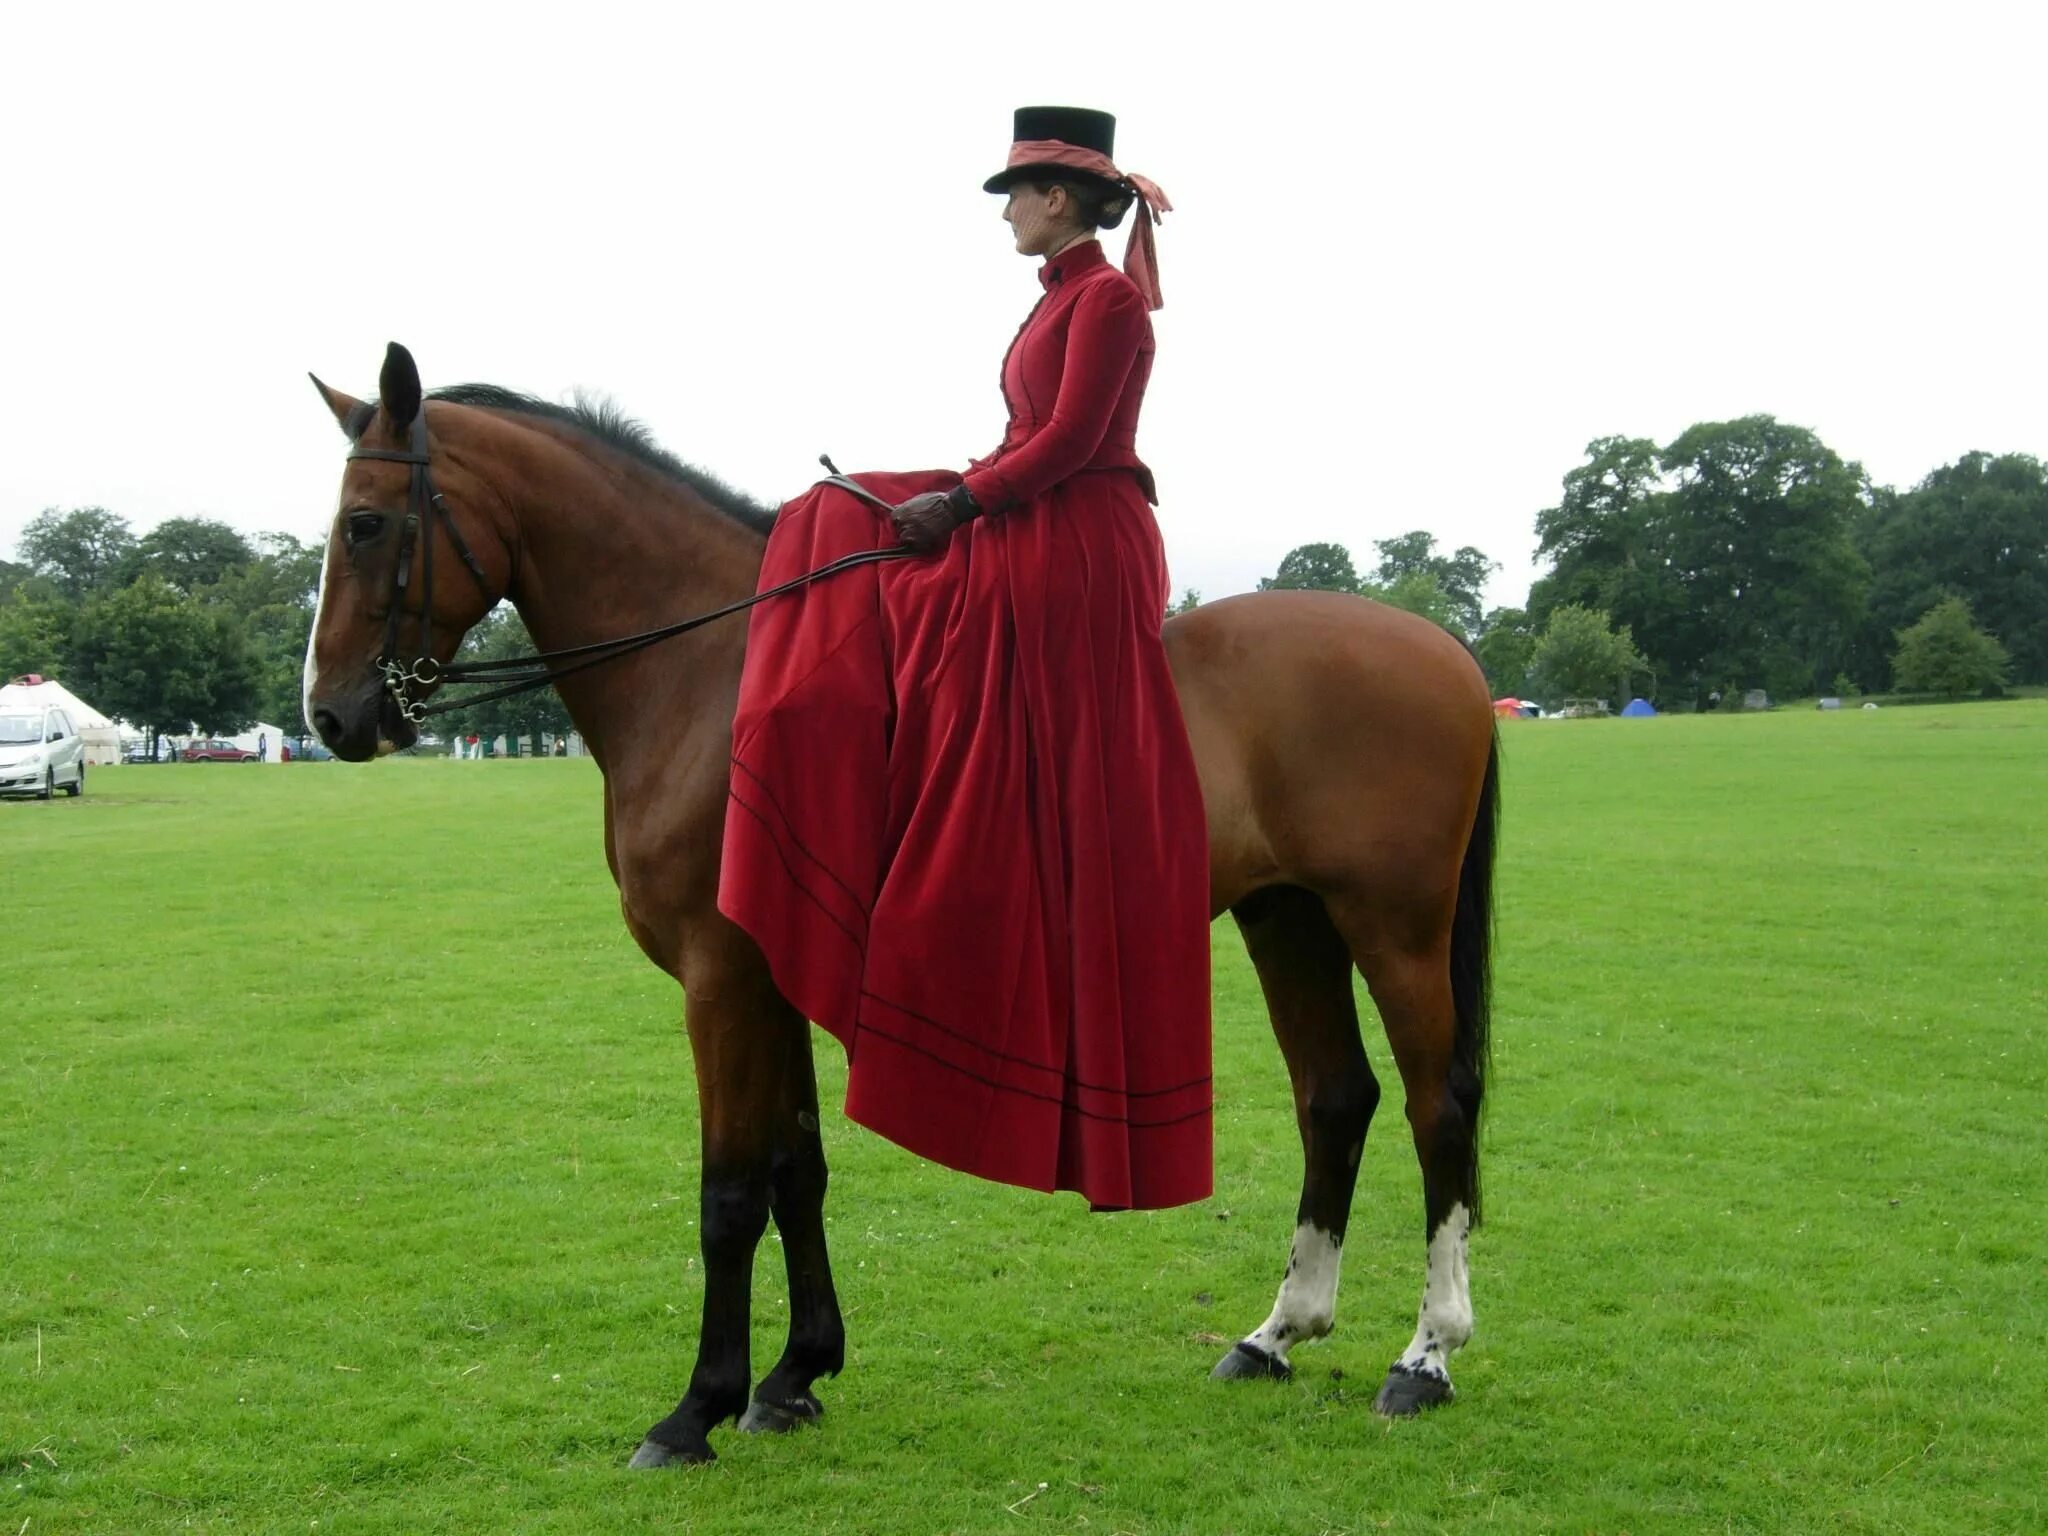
x: 965, y: 827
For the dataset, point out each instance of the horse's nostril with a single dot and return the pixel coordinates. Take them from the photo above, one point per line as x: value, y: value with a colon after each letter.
x: 328, y: 724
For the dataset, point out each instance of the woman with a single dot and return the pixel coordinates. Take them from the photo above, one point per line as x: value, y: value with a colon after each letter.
x: 965, y: 827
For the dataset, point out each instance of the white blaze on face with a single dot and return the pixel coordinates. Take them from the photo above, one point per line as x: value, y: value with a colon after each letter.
x: 310, y: 678
x: 1307, y: 1303
x: 1445, y: 1321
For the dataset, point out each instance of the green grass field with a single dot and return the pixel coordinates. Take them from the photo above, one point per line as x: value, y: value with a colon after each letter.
x: 349, y: 1163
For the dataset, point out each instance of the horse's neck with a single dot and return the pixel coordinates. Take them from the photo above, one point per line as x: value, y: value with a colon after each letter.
x: 609, y: 547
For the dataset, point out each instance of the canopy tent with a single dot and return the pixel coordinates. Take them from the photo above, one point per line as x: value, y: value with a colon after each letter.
x: 1639, y: 709
x: 101, y: 737
x: 262, y: 737
x: 1508, y: 708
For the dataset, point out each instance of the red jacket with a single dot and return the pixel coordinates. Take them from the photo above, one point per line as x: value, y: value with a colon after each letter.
x: 1074, y: 380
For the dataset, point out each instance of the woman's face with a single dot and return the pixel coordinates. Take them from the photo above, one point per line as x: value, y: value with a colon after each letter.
x: 1040, y: 217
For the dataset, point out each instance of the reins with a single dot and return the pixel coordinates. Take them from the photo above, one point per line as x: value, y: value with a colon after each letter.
x: 514, y: 675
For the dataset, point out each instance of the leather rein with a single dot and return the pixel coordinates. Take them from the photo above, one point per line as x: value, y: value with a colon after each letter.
x: 522, y: 674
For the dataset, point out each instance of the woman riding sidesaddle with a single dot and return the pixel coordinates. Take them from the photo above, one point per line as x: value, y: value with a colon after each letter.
x: 965, y: 827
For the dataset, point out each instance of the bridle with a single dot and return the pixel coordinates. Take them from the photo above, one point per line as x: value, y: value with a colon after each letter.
x: 522, y: 674
x: 422, y: 502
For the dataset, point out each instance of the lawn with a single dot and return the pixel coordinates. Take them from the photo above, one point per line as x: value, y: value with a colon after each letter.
x: 349, y: 1164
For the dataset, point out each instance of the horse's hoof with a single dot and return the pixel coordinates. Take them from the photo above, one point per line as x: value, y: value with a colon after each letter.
x: 781, y: 1415
x: 1406, y: 1392
x: 1248, y: 1362
x: 653, y: 1453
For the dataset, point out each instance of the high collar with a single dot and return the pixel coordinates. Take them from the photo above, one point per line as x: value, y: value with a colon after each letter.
x: 1081, y: 256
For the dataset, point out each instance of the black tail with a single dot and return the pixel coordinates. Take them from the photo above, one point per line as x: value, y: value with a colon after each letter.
x: 1472, y: 960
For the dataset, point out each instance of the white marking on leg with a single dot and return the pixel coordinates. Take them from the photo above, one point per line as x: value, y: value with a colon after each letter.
x: 1307, y: 1303
x: 310, y: 677
x: 1445, y: 1321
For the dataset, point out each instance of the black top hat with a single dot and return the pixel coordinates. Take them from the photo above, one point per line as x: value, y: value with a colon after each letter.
x: 1079, y: 126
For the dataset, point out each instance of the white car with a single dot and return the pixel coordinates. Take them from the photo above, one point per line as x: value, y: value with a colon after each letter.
x: 41, y: 752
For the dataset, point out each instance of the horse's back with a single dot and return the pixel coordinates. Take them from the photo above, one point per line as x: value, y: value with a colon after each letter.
x: 1341, y: 743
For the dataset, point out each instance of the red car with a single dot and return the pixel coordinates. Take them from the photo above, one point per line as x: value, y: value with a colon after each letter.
x: 216, y: 752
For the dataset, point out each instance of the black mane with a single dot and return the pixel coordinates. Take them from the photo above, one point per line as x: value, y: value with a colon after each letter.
x: 599, y: 418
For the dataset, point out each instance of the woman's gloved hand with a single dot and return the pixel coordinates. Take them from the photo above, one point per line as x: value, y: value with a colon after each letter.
x: 925, y: 522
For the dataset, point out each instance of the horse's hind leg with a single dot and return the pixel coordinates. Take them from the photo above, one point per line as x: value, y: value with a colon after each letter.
x: 1305, y: 971
x: 817, y: 1333
x: 1412, y: 989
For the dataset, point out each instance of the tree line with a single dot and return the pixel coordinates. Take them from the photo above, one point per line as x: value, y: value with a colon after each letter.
x: 1743, y: 554
x: 193, y: 625
x: 190, y: 624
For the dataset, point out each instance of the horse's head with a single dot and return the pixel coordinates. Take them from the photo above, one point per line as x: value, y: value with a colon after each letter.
x: 415, y: 558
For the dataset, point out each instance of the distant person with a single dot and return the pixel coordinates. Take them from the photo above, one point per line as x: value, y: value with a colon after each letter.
x: 262, y: 747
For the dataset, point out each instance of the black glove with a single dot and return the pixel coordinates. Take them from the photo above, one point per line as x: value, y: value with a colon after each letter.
x: 925, y: 522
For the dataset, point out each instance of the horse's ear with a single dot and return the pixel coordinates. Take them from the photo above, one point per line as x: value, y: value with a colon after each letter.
x: 348, y: 411
x: 399, y: 386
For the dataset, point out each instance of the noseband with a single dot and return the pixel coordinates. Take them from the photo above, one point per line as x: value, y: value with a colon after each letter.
x: 423, y: 505
x: 522, y: 674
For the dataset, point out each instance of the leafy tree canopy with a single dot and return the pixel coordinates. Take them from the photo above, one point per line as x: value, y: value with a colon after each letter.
x: 1506, y: 647
x: 1977, y: 529
x: 1314, y: 567
x: 1581, y: 655
x: 158, y: 657
x: 1459, y: 578
x: 1728, y: 553
x: 81, y: 551
x: 1947, y: 653
x: 191, y: 552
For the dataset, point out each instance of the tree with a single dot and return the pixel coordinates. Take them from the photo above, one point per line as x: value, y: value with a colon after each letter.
x: 190, y: 552
x: 1190, y: 600
x: 1419, y: 592
x: 35, y: 633
x: 1947, y: 653
x: 1505, y: 649
x: 1580, y: 655
x: 1727, y: 553
x: 1598, y: 537
x: 272, y: 597
x: 1976, y: 529
x: 1759, y: 543
x: 1460, y: 579
x: 499, y: 636
x: 80, y: 551
x: 1316, y: 567
x: 160, y: 658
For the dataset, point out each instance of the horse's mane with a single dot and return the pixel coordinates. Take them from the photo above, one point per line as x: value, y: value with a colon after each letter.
x: 599, y: 418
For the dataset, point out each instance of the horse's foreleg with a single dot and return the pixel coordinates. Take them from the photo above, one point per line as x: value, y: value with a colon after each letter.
x: 737, y: 1037
x: 817, y: 1334
x: 1413, y: 992
x: 1305, y: 971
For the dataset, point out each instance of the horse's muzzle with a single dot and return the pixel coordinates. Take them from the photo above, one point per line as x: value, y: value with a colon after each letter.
x: 366, y: 723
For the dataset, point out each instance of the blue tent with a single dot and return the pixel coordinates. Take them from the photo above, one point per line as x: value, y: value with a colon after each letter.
x: 1638, y: 709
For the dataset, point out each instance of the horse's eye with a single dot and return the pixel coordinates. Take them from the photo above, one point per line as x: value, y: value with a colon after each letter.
x: 364, y: 526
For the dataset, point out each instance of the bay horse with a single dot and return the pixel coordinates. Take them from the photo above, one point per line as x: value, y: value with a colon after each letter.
x: 1348, y: 766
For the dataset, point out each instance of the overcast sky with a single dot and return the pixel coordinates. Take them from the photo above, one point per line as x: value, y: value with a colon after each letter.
x: 1422, y: 255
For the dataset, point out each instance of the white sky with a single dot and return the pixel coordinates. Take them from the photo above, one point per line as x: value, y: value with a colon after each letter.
x: 1423, y: 254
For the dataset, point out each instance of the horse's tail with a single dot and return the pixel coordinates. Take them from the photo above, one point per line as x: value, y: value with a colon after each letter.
x: 1472, y: 959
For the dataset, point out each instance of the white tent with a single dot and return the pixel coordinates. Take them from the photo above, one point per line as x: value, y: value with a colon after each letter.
x: 102, y: 739
x: 264, y: 737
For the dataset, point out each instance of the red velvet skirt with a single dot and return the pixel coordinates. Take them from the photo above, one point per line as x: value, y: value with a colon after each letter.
x: 966, y: 832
